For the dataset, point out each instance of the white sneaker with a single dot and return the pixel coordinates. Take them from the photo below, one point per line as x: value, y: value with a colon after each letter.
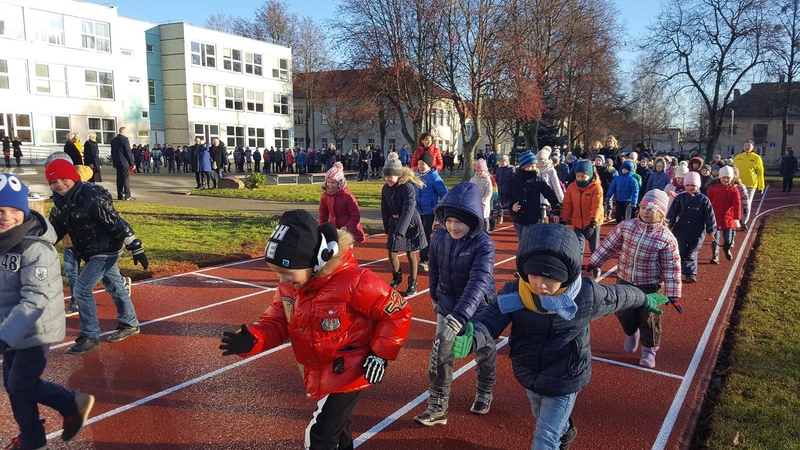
x: 127, y: 282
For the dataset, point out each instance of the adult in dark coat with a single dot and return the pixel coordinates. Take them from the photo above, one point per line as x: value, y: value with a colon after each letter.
x: 91, y: 157
x: 195, y: 162
x: 122, y: 159
x: 219, y: 157
x: 71, y: 149
x: 330, y: 156
x: 788, y: 169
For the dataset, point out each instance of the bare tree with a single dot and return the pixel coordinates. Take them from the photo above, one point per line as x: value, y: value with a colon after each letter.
x: 708, y: 46
x: 309, y: 57
x: 649, y: 104
x: 786, y: 51
x: 219, y: 21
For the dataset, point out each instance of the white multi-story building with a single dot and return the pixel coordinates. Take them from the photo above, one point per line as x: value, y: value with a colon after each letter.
x: 69, y: 65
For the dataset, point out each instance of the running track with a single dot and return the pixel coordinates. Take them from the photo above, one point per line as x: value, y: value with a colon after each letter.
x: 170, y: 388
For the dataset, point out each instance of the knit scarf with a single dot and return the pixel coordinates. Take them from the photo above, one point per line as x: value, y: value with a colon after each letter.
x: 14, y: 236
x: 562, y: 303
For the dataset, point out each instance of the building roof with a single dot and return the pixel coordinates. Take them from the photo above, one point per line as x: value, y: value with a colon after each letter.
x: 765, y: 100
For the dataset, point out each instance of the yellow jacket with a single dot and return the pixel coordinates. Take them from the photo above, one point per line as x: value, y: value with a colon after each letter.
x: 751, y: 170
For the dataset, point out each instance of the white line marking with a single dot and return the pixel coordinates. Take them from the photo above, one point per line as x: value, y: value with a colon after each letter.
x: 631, y: 366
x: 244, y: 283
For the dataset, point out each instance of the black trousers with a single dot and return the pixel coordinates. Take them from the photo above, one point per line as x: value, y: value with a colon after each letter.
x: 427, y: 226
x: 787, y: 183
x: 123, y: 182
x: 329, y: 428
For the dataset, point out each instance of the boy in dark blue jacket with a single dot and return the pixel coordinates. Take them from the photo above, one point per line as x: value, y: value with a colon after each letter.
x: 690, y: 218
x: 625, y: 190
x: 461, y: 283
x: 524, y: 193
x: 549, y: 308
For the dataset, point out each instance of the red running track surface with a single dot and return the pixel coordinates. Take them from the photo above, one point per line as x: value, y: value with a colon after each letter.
x: 170, y: 388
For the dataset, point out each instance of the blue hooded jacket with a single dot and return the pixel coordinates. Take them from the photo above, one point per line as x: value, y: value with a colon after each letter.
x: 625, y: 188
x: 461, y: 271
x: 429, y: 195
x: 550, y: 355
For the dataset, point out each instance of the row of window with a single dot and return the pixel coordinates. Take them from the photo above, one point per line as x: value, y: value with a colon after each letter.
x: 49, y: 27
x: 237, y: 99
x: 53, y: 129
x: 235, y: 60
x: 52, y: 79
x: 242, y: 135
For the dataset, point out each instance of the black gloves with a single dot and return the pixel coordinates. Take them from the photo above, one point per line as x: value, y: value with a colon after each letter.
x: 236, y: 343
x: 138, y: 253
x: 3, y: 346
x: 375, y: 368
x: 590, y: 229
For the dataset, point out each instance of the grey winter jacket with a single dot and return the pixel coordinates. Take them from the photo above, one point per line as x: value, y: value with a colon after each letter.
x: 31, y: 292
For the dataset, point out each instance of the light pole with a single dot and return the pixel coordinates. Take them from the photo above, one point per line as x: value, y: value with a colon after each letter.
x: 730, y: 137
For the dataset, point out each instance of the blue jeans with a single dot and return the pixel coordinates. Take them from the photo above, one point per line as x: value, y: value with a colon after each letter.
x: 22, y: 371
x: 728, y: 235
x: 102, y: 267
x: 520, y: 229
x: 72, y: 268
x: 552, y: 419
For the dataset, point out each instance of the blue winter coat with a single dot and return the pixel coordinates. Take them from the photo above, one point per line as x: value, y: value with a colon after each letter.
x: 204, y: 158
x: 461, y: 271
x: 625, y: 188
x: 503, y: 177
x: 301, y: 159
x: 690, y: 215
x: 429, y: 195
x: 657, y: 180
x: 550, y: 355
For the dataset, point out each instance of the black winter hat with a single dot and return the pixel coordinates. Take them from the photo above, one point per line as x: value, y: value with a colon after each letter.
x: 547, y: 266
x: 428, y: 158
x: 297, y: 242
x: 463, y: 216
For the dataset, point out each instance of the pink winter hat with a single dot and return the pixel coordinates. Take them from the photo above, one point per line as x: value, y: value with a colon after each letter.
x: 481, y: 165
x: 336, y: 173
x: 656, y: 198
x: 692, y: 178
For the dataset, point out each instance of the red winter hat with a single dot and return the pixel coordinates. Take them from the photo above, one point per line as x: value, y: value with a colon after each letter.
x: 60, y: 169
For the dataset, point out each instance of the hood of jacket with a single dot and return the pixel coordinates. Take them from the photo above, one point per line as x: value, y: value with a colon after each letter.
x: 466, y: 197
x: 627, y: 165
x: 696, y: 161
x: 555, y: 240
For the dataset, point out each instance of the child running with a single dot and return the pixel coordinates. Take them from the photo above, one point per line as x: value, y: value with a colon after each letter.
x: 401, y: 220
x: 504, y: 174
x: 344, y: 325
x: 691, y: 217
x: 549, y: 309
x: 483, y: 181
x: 427, y: 197
x: 459, y: 287
x: 523, y: 195
x: 32, y: 318
x: 583, y: 204
x: 649, y: 258
x: 625, y: 190
x: 727, y: 204
x: 338, y: 205
x: 676, y: 187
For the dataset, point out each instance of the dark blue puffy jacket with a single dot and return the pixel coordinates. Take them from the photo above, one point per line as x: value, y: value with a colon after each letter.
x: 625, y: 188
x: 461, y: 271
x: 550, y: 355
x: 433, y: 191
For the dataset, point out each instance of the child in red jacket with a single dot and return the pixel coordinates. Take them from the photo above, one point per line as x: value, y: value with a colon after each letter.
x: 727, y: 205
x: 338, y: 205
x: 344, y: 322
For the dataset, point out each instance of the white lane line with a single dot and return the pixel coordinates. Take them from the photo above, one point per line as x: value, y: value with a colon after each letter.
x: 631, y: 366
x: 244, y: 283
x: 177, y: 387
x: 680, y: 396
x: 380, y: 426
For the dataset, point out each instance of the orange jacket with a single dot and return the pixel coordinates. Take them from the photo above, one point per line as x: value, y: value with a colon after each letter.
x: 584, y: 204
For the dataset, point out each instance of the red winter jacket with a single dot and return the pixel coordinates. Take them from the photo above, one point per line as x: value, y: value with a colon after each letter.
x: 344, y: 313
x: 727, y: 204
x: 437, y: 157
x: 341, y: 209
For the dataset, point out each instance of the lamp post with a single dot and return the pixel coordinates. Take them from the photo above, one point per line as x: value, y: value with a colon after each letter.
x: 730, y: 136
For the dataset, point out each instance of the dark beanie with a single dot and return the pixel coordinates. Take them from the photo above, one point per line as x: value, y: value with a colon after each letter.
x: 428, y: 158
x: 470, y: 220
x: 295, y: 241
x: 547, y: 266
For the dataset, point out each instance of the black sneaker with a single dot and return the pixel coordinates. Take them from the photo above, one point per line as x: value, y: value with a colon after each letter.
x: 85, y: 345
x: 568, y: 437
x: 434, y: 415
x: 74, y: 424
x: 123, y: 332
x: 481, y: 405
x: 71, y: 310
x: 728, y: 254
x: 690, y: 279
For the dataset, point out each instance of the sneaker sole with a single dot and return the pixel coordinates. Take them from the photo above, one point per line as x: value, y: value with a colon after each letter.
x: 431, y: 423
x: 479, y: 412
x: 70, y: 352
x: 66, y: 314
x: 86, y: 406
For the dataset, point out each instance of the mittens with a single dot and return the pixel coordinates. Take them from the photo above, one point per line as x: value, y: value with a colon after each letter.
x: 655, y: 300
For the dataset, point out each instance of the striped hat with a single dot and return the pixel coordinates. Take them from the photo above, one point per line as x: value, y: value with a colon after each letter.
x: 526, y: 158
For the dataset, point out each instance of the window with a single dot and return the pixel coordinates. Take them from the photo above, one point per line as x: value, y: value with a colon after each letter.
x: 145, y: 114
x: 354, y: 142
x: 448, y: 118
x: 14, y: 75
x: 324, y: 142
x: 487, y: 148
x: 790, y: 129
x: 760, y: 133
x: 324, y: 119
x: 52, y: 129
x: 299, y: 142
x: 371, y: 142
x: 95, y: 36
x: 235, y: 135
x: 203, y: 54
x: 149, y: 48
x: 255, y: 101
x: 104, y: 128
x: 280, y: 104
x: 282, y: 71
x: 252, y: 63
x: 133, y: 80
x: 126, y: 52
x: 51, y: 79
x: 299, y: 117
x: 232, y: 60
x: 234, y: 98
x: 392, y: 144
x: 281, y: 138
x: 151, y: 91
x: 12, y: 24
x: 206, y: 131
x: 434, y: 112
x: 99, y: 84
x: 16, y: 125
x: 144, y: 134
x: 204, y: 95
x: 49, y: 27
x: 256, y: 137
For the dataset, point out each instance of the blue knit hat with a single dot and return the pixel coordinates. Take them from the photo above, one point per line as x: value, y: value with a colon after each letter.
x: 14, y: 193
x: 526, y: 158
x: 585, y: 167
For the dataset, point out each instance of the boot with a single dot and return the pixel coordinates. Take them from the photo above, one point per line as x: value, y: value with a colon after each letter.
x: 397, y: 278
x: 483, y: 397
x: 727, y: 249
x: 412, y: 287
x: 436, y: 413
x: 569, y: 436
x: 631, y: 342
x: 714, y: 253
x: 648, y: 357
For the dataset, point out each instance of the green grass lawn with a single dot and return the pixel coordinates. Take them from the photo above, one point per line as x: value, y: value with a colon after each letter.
x: 367, y: 193
x: 761, y: 396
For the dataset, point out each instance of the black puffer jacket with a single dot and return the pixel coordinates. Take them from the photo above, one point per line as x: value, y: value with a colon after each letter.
x: 87, y: 214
